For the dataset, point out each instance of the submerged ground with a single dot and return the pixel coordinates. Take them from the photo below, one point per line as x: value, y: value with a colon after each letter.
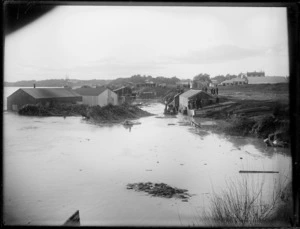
x: 55, y: 166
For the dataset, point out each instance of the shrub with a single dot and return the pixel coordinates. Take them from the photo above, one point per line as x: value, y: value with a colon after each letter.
x: 243, y: 204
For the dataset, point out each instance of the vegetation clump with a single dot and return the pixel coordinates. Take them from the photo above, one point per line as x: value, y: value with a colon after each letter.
x: 109, y: 113
x: 160, y: 190
x: 115, y: 113
x: 243, y: 203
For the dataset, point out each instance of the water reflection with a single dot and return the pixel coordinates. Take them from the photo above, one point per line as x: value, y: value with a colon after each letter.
x: 128, y: 127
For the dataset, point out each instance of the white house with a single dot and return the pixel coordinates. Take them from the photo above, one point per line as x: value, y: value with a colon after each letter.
x: 101, y: 96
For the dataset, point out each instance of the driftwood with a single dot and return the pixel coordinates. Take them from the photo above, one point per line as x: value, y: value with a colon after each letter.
x: 249, y: 171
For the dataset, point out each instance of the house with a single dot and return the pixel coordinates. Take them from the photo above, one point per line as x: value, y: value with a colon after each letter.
x: 175, y: 101
x: 44, y: 96
x: 100, y: 96
x: 123, y: 91
x: 124, y: 94
x: 227, y: 82
x: 239, y: 81
x: 256, y: 74
x: 267, y: 80
x: 235, y: 81
x: 191, y: 96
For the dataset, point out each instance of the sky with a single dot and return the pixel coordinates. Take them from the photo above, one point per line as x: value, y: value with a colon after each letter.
x: 108, y: 42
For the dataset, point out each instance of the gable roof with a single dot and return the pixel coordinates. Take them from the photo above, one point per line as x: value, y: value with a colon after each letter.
x: 267, y: 80
x: 227, y: 81
x: 120, y: 88
x: 91, y: 91
x: 239, y: 79
x: 43, y: 93
x: 191, y: 93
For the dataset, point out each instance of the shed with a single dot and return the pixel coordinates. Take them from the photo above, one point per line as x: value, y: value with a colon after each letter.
x: 101, y: 96
x: 123, y: 91
x: 193, y: 95
x: 44, y: 96
x: 124, y: 94
x: 227, y: 82
x: 239, y: 81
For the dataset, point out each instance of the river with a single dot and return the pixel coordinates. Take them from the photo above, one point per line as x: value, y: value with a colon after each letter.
x: 55, y: 166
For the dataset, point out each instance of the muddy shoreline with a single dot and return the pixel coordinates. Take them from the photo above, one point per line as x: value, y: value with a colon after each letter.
x: 249, y: 118
x: 96, y: 114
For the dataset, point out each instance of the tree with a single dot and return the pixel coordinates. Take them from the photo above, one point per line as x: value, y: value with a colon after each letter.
x: 219, y: 78
x: 202, y: 77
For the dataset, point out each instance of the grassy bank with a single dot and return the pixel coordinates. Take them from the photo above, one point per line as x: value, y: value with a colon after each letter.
x: 257, y: 111
x: 107, y: 113
x: 252, y: 118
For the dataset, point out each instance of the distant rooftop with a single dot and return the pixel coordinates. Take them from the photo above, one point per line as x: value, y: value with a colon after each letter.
x: 43, y: 93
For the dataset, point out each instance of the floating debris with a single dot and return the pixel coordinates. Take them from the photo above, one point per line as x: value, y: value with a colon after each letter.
x: 247, y: 171
x: 160, y: 190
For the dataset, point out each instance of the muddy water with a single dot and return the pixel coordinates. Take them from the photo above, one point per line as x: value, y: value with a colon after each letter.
x: 55, y: 166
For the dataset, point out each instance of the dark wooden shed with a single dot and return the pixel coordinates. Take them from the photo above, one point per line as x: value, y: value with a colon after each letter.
x: 44, y: 96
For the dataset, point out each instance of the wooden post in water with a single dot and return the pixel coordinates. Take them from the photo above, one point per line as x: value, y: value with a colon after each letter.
x: 74, y: 220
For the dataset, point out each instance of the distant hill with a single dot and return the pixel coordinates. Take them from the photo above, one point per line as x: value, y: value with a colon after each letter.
x: 56, y: 83
x: 136, y: 79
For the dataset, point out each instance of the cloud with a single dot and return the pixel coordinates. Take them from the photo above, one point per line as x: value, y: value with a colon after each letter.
x: 277, y: 49
x: 217, y: 54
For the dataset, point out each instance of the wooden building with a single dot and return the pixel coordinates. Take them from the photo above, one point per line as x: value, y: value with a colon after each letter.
x: 44, y: 96
x: 124, y: 94
x: 190, y: 97
x: 100, y: 96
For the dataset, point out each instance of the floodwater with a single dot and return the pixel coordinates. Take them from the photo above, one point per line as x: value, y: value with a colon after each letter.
x: 55, y: 166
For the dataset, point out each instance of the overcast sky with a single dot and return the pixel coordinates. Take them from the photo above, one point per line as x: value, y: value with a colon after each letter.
x: 107, y: 42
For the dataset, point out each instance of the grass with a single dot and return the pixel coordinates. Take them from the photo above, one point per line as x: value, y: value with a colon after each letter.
x: 244, y: 203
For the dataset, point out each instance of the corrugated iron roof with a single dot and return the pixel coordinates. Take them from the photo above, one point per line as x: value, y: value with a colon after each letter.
x: 238, y: 79
x: 191, y: 93
x: 227, y: 81
x: 91, y: 91
x: 267, y: 80
x: 43, y: 93
x: 120, y: 88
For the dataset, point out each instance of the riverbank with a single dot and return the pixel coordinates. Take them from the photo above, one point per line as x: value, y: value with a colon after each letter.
x: 251, y: 110
x: 105, y: 114
x: 259, y: 119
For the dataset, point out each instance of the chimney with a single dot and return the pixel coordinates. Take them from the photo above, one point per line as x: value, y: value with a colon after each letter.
x: 34, y: 85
